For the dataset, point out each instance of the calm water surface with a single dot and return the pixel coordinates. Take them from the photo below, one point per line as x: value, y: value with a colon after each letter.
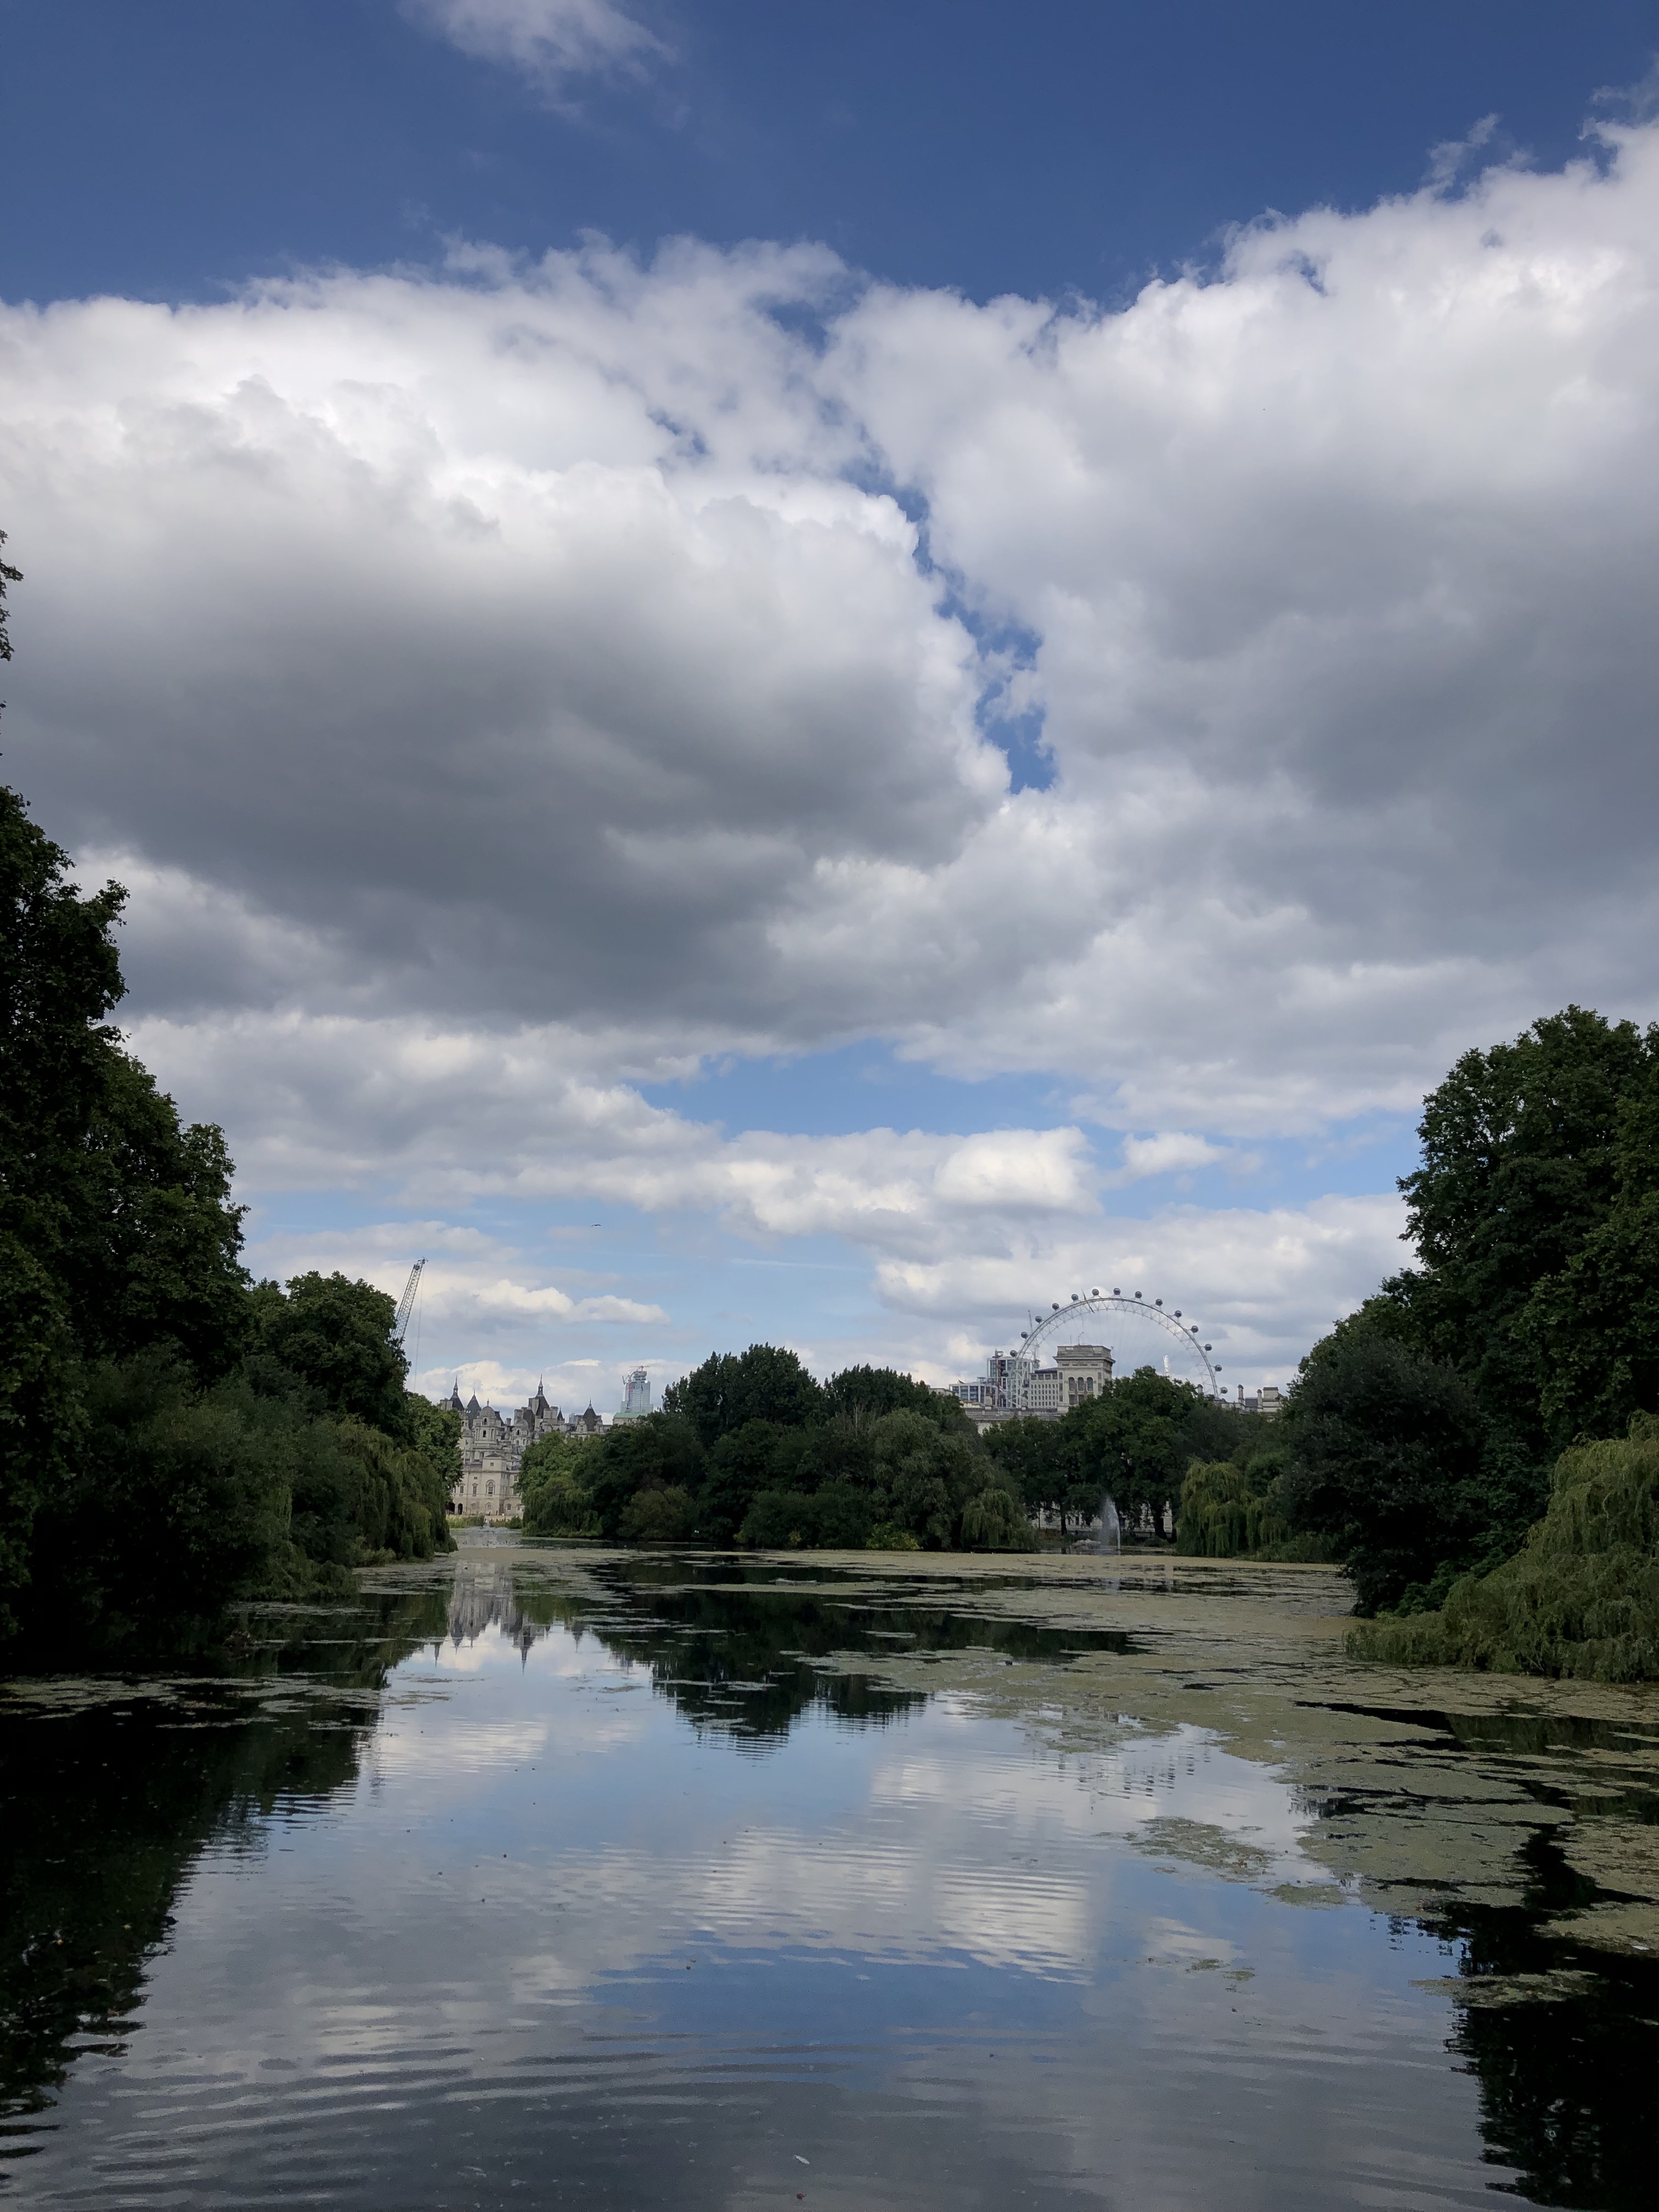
x: 505, y: 1897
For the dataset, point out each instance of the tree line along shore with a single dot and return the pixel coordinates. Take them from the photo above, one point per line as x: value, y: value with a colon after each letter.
x: 1477, y: 1446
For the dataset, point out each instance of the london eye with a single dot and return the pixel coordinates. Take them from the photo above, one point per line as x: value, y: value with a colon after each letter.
x: 1137, y: 1331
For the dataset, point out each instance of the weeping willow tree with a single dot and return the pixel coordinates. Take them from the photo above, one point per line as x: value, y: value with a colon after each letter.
x: 992, y: 1520
x: 1232, y: 1512
x: 1581, y: 1597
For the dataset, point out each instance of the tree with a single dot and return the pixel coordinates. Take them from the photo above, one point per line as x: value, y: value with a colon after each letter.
x: 1132, y: 1443
x: 1593, y: 1327
x: 336, y: 1334
x: 661, y: 1452
x: 742, y: 1464
x: 1387, y: 1461
x: 761, y: 1384
x: 116, y: 1231
x: 925, y: 1475
x: 861, y: 1394
x: 1527, y: 1149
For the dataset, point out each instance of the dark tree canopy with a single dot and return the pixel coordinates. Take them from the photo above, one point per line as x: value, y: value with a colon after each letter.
x: 761, y: 1384
x: 336, y: 1334
x: 169, y: 1439
x: 1530, y: 1151
x: 1387, y: 1461
x: 1425, y: 1428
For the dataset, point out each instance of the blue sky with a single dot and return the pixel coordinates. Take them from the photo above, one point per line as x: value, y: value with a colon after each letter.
x: 172, y: 148
x: 812, y: 673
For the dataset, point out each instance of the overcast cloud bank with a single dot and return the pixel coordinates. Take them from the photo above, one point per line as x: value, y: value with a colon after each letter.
x: 505, y: 687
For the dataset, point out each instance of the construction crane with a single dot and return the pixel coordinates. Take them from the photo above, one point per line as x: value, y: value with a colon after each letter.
x: 406, y: 1303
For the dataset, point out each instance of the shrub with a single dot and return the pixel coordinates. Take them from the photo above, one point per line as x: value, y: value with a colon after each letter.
x: 778, y: 1518
x: 560, y: 1506
x: 1581, y: 1597
x: 886, y: 1538
x: 657, y: 1517
x: 992, y: 1521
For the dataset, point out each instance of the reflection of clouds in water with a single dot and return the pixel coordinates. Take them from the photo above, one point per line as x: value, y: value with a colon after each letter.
x: 613, y: 1914
x: 884, y: 1873
x: 1184, y: 1773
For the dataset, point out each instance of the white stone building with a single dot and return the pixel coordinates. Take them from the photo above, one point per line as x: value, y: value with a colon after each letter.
x: 1011, y: 1385
x: 493, y: 1446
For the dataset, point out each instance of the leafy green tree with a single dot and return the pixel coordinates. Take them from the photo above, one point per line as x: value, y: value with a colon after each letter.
x: 661, y: 1452
x: 552, y: 1480
x: 994, y: 1520
x: 1527, y: 1150
x: 837, y: 1517
x: 740, y: 1466
x: 436, y: 1433
x: 336, y: 1334
x: 925, y: 1475
x: 1593, y: 1327
x: 174, y: 1502
x: 862, y: 1395
x: 1387, y: 1461
x: 658, y: 1516
x: 762, y: 1384
x: 1132, y: 1443
x: 116, y: 1232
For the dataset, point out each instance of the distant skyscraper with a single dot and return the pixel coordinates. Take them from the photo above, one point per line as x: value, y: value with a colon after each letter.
x: 636, y: 1396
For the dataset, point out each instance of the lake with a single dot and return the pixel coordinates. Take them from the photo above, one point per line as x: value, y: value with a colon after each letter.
x: 552, y: 1876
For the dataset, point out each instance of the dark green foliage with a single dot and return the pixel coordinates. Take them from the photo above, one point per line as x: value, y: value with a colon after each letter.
x: 1223, y: 1516
x: 1582, y: 1595
x: 925, y: 1474
x: 553, y: 1483
x: 994, y: 1520
x: 658, y: 1517
x: 1132, y: 1443
x: 169, y: 1440
x: 336, y: 1334
x: 740, y: 1467
x: 436, y: 1432
x: 729, y: 1388
x: 838, y: 1517
x: 1593, y: 1328
x: 401, y: 1508
x: 862, y: 1395
x: 1528, y: 1213
x: 176, y: 1501
x: 1388, y: 1462
x: 116, y: 1233
x: 1535, y: 1215
x: 1232, y: 1512
x: 661, y: 1452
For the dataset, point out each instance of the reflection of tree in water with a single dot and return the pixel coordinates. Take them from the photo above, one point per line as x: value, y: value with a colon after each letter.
x: 743, y: 1661
x: 103, y: 1809
x: 1566, y: 2086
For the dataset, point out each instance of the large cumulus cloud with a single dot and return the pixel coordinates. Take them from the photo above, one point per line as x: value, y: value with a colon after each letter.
x: 588, y: 666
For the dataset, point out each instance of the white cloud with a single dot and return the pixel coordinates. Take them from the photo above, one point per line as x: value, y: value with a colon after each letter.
x: 507, y: 686
x: 1171, y: 1151
x: 451, y: 1115
x: 1265, y: 1282
x: 520, y: 643
x: 549, y: 41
